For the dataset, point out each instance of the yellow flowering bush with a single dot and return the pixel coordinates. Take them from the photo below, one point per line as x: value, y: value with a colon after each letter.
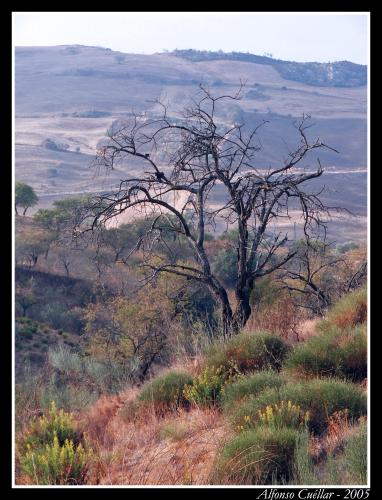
x: 276, y: 416
x: 56, y: 422
x: 53, y: 451
x: 283, y: 414
x: 206, y: 387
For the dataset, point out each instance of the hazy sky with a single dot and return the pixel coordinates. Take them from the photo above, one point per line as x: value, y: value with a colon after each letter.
x: 297, y: 37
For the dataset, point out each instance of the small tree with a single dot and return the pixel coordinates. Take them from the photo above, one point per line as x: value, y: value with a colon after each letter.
x: 318, y: 277
x: 24, y: 196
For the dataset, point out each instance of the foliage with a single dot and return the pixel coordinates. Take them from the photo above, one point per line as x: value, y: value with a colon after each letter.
x: 75, y: 372
x: 63, y: 214
x: 225, y: 266
x: 25, y: 196
x: 56, y: 423
x: 265, y: 292
x: 355, y: 455
x: 53, y: 452
x: 206, y: 388
x: 248, y: 352
x: 304, y: 472
x: 257, y: 456
x: 249, y: 386
x: 336, y: 352
x: 30, y: 246
x: 165, y: 392
x: 350, y: 311
x: 283, y: 414
x: 321, y: 397
x: 55, y: 464
x: 130, y: 331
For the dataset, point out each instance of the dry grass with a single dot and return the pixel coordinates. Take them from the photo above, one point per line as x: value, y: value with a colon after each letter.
x: 340, y: 428
x: 281, y: 317
x: 179, y: 448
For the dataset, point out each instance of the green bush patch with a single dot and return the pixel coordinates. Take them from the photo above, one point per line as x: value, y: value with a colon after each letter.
x: 52, y: 451
x: 248, y: 352
x: 350, y: 311
x: 166, y: 391
x: 257, y: 456
x: 341, y: 353
x: 320, y: 397
x: 250, y: 386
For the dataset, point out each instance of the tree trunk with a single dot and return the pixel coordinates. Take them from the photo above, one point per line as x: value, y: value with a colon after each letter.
x: 17, y: 213
x: 25, y: 210
x: 243, y: 308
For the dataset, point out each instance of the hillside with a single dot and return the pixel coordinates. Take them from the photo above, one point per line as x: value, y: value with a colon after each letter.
x: 253, y: 410
x: 68, y: 96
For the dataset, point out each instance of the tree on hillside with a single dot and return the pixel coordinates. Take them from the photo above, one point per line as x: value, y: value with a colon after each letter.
x: 24, y: 196
x: 205, y: 176
x: 318, y: 277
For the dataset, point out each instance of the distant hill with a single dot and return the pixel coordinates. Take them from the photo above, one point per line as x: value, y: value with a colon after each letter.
x: 66, y: 97
x: 331, y: 74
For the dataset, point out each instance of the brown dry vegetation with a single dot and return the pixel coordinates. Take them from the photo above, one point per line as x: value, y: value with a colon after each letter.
x: 177, y: 449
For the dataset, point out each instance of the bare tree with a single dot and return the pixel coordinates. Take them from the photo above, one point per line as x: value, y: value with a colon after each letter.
x: 317, y: 277
x: 186, y: 163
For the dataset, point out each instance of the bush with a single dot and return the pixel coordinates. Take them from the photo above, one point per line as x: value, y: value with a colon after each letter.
x: 341, y: 353
x: 319, y: 396
x: 248, y: 352
x: 257, y: 456
x: 350, y: 311
x: 283, y: 414
x: 166, y: 391
x: 53, y: 451
x: 57, y: 464
x: 43, y: 429
x: 206, y: 387
x: 249, y: 386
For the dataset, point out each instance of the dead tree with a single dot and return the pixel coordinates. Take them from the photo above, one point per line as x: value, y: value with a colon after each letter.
x: 317, y: 277
x: 184, y: 163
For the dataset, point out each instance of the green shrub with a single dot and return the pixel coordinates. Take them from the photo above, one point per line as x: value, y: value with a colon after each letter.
x: 249, y: 386
x: 257, y: 456
x: 206, y: 388
x: 283, y: 414
x: 341, y: 353
x: 166, y: 391
x: 248, y: 352
x: 350, y: 311
x: 57, y: 464
x: 53, y: 452
x: 43, y: 429
x: 355, y: 455
x: 320, y: 397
